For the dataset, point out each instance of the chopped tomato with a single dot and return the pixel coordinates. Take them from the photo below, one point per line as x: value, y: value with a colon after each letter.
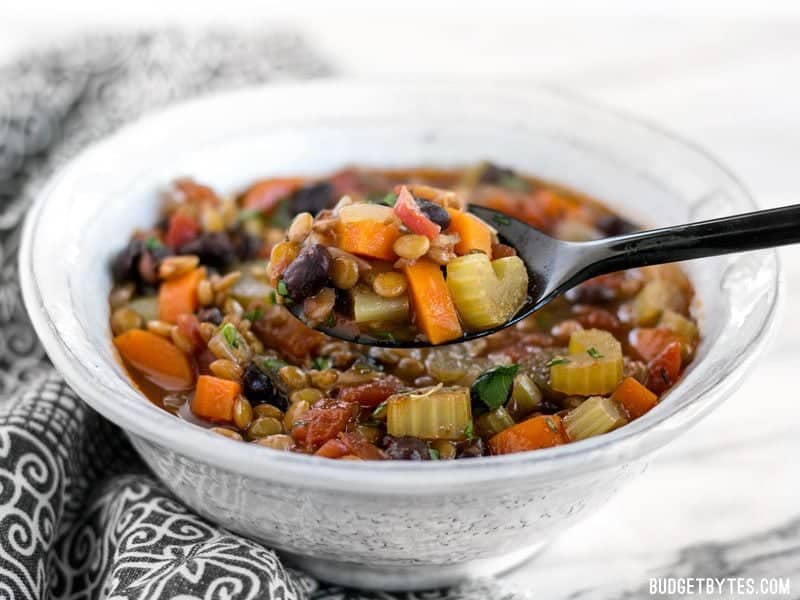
x: 649, y: 342
x: 189, y: 326
x: 333, y: 449
x: 664, y: 369
x: 358, y: 446
x: 265, y: 195
x: 318, y: 425
x: 409, y: 212
x: 287, y: 335
x: 181, y: 229
x: 371, y: 394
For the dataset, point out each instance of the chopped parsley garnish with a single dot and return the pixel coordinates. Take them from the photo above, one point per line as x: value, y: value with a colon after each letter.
x: 273, y: 298
x: 501, y: 219
x: 557, y: 361
x: 513, y: 182
x: 380, y: 411
x: 330, y: 320
x: 469, y: 432
x: 255, y: 314
x: 594, y: 352
x: 153, y: 243
x: 248, y: 214
x: 434, y: 454
x: 282, y: 289
x: 320, y: 363
x: 389, y: 199
x: 493, y: 387
x: 273, y: 364
x: 230, y: 334
x: 385, y: 335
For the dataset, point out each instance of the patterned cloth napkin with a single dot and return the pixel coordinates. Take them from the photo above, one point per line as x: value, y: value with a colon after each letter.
x: 80, y: 515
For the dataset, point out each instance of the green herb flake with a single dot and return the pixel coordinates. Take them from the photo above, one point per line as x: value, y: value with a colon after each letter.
x: 501, y: 220
x: 248, y: 214
x: 469, y: 431
x: 434, y: 454
x: 153, y: 243
x: 255, y: 315
x: 493, y: 387
x: 320, y: 363
x: 513, y: 182
x: 557, y: 361
x: 330, y: 320
x: 550, y: 424
x: 389, y: 199
x: 273, y: 298
x: 230, y: 334
x: 594, y: 352
x: 273, y: 364
x: 282, y: 289
x: 385, y: 335
x: 380, y: 411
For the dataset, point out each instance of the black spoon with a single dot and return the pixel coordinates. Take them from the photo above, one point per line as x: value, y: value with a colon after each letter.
x: 555, y: 266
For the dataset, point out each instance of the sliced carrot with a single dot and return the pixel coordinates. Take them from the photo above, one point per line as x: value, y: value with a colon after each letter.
x: 368, y: 238
x: 634, y: 397
x: 178, y: 296
x: 434, y: 311
x: 214, y: 398
x: 649, y: 342
x: 543, y: 431
x: 156, y: 358
x: 474, y: 233
x: 265, y: 195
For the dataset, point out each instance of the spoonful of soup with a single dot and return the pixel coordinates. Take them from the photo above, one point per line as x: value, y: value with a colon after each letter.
x: 420, y: 268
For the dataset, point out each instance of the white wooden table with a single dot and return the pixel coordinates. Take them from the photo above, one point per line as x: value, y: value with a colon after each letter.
x: 724, y: 500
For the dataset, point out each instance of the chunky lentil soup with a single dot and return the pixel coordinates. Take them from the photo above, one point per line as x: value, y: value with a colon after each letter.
x: 198, y: 313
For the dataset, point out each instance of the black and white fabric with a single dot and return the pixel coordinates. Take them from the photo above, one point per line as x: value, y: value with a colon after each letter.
x: 80, y: 515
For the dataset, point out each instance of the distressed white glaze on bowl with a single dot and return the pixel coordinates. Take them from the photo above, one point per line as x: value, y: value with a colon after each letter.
x: 394, y: 525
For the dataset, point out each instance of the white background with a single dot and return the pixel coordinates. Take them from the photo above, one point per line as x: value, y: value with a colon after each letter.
x: 724, y: 74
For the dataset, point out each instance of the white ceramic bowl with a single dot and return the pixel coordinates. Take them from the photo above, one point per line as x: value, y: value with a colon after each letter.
x: 393, y: 525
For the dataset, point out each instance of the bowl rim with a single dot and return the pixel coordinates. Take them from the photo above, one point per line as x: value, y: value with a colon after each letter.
x: 626, y: 443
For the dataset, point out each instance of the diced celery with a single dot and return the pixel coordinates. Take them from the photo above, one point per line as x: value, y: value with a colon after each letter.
x: 250, y: 289
x: 597, y: 415
x: 369, y: 306
x: 487, y: 293
x: 525, y: 396
x: 435, y: 414
x: 655, y: 297
x: 585, y: 376
x: 146, y: 306
x: 679, y: 324
x: 492, y: 423
x: 594, y: 342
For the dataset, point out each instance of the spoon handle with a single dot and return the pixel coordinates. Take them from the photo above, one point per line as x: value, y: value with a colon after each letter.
x: 738, y: 233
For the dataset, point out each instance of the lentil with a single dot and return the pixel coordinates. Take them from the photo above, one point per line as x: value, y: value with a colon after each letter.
x: 124, y: 319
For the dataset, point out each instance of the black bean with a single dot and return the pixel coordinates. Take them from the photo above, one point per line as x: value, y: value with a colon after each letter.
x: 246, y: 245
x: 435, y: 213
x: 312, y: 198
x: 125, y: 264
x: 406, y: 448
x: 259, y: 388
x: 149, y: 260
x: 471, y: 449
x: 211, y: 315
x: 308, y: 273
x: 613, y: 225
x: 214, y: 250
x: 494, y: 174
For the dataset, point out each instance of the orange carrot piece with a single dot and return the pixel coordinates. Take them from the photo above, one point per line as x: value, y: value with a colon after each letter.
x: 178, y: 296
x: 434, y: 311
x: 157, y: 358
x: 543, y: 431
x: 649, y: 342
x: 214, y: 398
x: 368, y: 238
x: 265, y: 195
x: 474, y: 233
x: 634, y: 397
